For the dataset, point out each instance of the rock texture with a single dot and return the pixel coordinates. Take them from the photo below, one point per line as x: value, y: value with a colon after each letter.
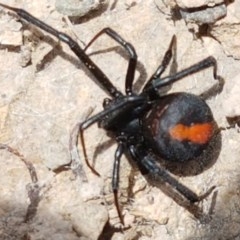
x: 45, y: 91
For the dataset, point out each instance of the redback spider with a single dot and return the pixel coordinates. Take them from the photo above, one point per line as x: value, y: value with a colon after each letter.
x: 146, y: 125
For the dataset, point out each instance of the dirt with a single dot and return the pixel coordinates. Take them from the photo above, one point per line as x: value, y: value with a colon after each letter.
x: 45, y: 91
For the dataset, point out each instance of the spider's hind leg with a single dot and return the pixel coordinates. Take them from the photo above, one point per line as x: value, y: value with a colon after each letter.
x: 146, y: 162
x: 115, y: 178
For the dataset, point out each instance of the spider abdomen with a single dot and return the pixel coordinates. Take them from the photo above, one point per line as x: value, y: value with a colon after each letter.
x: 179, y: 126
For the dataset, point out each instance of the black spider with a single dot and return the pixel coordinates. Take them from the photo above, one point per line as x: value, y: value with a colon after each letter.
x: 148, y: 125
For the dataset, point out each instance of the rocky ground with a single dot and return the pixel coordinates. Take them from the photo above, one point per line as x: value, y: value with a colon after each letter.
x: 45, y: 91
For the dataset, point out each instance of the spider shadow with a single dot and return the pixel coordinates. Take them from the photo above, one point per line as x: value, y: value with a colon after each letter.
x: 57, y: 51
x: 53, y: 53
x: 190, y: 168
x: 94, y: 13
x: 140, y: 68
x: 184, y: 169
x: 102, y: 147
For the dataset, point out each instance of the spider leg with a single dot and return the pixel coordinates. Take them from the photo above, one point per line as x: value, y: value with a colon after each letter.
x: 115, y: 178
x: 120, y: 106
x: 131, y: 51
x: 206, y: 63
x: 147, y: 163
x: 100, y: 77
x: 165, y: 62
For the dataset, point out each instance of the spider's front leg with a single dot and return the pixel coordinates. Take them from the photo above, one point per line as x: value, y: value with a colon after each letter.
x: 147, y: 163
x: 97, y: 73
x: 164, y: 64
x: 132, y: 63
